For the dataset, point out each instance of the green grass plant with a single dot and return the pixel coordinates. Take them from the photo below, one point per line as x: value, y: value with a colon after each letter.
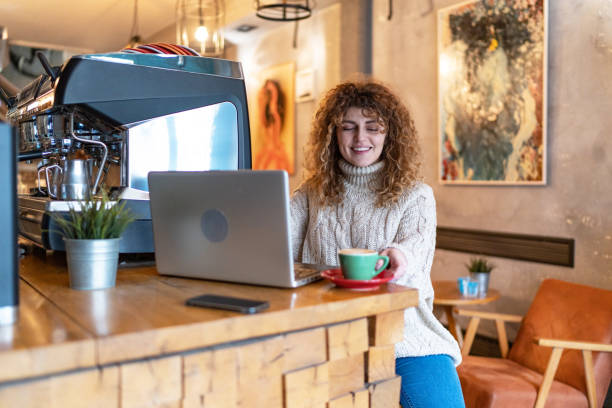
x: 479, y: 265
x: 95, y: 218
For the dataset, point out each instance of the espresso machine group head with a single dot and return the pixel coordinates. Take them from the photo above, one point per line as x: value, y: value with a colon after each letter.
x: 119, y: 116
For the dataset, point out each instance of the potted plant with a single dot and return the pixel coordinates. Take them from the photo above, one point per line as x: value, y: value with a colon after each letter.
x: 91, y: 235
x: 480, y: 271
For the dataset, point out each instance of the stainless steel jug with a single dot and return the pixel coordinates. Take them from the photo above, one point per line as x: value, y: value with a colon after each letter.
x: 53, y: 176
x: 49, y: 185
x: 75, y: 180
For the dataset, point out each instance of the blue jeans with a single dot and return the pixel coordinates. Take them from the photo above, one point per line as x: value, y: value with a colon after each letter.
x: 429, y: 381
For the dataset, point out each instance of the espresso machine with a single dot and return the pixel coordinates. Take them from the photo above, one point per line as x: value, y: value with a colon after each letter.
x: 107, y: 120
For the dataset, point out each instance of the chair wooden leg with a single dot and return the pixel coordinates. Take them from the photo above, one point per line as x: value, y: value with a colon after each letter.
x: 502, y: 338
x: 469, y: 335
x: 549, y: 376
x: 453, y: 327
x: 587, y: 355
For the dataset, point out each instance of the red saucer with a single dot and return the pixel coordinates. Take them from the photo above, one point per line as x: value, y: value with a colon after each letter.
x: 336, y: 276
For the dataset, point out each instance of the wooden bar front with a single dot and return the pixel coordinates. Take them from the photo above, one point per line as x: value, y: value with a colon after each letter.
x: 138, y: 345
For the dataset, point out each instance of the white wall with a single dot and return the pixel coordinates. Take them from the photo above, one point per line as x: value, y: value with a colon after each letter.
x: 318, y: 48
x: 577, y: 200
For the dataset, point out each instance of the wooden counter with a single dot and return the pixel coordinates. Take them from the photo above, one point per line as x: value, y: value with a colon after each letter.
x: 138, y: 345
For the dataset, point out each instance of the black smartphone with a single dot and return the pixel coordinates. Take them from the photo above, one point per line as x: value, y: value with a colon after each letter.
x: 228, y: 303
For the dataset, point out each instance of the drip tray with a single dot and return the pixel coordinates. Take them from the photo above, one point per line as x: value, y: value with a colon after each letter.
x: 47, y: 204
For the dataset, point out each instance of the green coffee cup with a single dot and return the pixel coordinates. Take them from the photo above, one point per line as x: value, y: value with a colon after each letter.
x: 360, y: 264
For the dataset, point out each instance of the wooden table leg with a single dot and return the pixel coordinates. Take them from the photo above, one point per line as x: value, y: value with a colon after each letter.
x: 453, y: 326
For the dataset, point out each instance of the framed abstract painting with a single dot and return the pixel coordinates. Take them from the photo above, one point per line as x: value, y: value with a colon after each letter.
x: 492, y: 92
x: 272, y: 119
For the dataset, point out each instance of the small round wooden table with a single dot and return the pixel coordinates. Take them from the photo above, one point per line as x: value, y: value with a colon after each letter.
x: 447, y: 296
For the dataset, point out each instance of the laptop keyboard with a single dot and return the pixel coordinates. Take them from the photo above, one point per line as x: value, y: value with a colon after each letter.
x: 303, y: 271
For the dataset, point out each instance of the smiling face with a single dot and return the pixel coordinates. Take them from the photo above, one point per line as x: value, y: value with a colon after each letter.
x: 360, y: 138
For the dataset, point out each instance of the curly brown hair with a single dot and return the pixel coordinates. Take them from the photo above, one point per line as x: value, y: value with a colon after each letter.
x: 401, y: 151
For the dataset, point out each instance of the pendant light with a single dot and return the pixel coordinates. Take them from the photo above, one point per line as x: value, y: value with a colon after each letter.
x: 135, y: 39
x: 4, y: 48
x: 285, y: 10
x: 199, y: 25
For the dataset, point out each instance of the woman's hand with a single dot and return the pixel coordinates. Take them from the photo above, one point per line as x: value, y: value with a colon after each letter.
x: 397, y: 261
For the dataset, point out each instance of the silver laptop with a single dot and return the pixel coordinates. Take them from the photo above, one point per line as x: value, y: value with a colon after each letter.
x: 226, y: 225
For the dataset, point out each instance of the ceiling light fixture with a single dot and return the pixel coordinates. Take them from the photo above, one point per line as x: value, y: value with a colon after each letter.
x: 285, y: 10
x: 199, y: 25
x: 4, y: 48
x: 135, y: 39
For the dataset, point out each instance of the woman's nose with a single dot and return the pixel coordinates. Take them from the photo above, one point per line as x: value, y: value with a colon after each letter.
x: 360, y: 134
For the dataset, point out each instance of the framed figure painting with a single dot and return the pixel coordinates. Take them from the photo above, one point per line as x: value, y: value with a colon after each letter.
x: 272, y: 119
x: 492, y: 92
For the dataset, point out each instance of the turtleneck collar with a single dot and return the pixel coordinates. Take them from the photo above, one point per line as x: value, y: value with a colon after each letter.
x: 362, y: 176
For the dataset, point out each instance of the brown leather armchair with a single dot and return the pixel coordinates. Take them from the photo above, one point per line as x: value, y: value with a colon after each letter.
x: 561, y: 357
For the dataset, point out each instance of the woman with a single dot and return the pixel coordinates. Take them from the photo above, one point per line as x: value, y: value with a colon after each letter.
x: 363, y: 191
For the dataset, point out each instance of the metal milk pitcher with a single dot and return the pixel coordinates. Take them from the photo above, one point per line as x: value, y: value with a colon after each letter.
x: 53, y: 176
x: 75, y: 180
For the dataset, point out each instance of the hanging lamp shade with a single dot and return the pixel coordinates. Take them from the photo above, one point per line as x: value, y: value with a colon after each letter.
x: 4, y: 48
x: 199, y: 25
x: 135, y: 38
x: 283, y: 10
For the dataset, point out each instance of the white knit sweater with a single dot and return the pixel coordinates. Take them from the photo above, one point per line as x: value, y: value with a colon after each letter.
x: 409, y: 225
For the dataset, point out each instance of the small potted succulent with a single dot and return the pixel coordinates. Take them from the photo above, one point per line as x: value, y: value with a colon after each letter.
x: 480, y: 271
x: 91, y: 233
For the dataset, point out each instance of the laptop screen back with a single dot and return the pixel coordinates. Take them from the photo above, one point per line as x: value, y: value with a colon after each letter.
x: 223, y: 225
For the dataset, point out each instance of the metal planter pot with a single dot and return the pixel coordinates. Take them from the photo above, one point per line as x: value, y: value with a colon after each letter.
x: 92, y: 263
x: 483, y: 282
